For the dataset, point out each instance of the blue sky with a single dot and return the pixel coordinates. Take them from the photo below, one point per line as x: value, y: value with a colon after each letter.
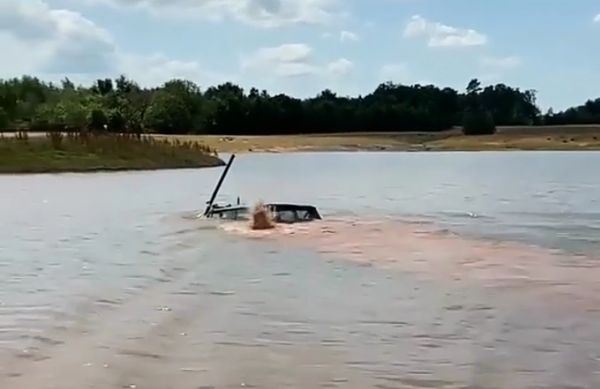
x: 303, y: 46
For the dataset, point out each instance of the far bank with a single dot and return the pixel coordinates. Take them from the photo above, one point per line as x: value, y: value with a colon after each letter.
x: 568, y: 138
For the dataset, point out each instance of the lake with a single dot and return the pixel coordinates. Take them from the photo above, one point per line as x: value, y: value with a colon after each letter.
x: 430, y: 270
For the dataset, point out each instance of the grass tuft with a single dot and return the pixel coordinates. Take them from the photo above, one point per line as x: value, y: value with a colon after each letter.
x: 85, y: 151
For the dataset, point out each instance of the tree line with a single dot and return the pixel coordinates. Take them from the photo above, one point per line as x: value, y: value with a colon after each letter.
x: 180, y: 106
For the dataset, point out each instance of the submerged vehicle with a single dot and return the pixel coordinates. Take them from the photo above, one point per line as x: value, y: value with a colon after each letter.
x: 280, y: 212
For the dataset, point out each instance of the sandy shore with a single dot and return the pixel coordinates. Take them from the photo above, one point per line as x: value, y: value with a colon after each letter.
x: 507, y: 138
x: 568, y: 138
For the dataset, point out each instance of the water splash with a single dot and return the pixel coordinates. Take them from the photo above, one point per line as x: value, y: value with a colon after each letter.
x: 261, y: 218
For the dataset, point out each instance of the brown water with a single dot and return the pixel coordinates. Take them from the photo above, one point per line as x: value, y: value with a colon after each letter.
x: 429, y: 271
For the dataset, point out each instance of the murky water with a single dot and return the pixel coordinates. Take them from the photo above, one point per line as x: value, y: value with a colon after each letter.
x: 448, y: 270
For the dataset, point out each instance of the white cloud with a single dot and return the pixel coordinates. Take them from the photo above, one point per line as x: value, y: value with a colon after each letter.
x: 396, y: 72
x: 57, y: 40
x: 340, y: 67
x: 292, y: 60
x: 260, y: 13
x: 441, y: 35
x: 489, y: 78
x: 287, y: 60
x: 54, y: 43
x: 348, y: 36
x: 501, y: 63
x: 158, y: 68
x: 597, y: 18
x: 400, y: 73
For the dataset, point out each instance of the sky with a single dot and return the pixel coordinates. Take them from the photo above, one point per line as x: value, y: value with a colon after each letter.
x: 301, y: 47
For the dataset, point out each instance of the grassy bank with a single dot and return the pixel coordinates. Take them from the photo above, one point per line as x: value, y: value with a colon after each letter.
x: 20, y: 153
x: 507, y: 138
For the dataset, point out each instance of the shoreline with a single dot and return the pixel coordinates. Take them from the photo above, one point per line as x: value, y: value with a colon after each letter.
x: 549, y: 138
x: 118, y: 153
x: 47, y: 154
x: 101, y: 170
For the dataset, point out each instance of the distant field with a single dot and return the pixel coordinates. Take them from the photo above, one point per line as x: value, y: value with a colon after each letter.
x: 507, y: 138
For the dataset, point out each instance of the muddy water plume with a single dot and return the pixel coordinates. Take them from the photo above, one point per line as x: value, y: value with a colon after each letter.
x: 431, y: 252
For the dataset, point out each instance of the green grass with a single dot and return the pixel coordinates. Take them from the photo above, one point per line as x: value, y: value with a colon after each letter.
x: 58, y: 152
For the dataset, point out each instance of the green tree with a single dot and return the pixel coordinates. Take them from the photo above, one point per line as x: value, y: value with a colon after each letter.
x: 168, y: 114
x: 474, y: 87
x: 128, y: 106
x: 67, y: 84
x: 103, y: 87
x: 227, y: 110
x: 97, y: 120
x: 116, y: 121
x: 477, y: 119
x: 180, y: 106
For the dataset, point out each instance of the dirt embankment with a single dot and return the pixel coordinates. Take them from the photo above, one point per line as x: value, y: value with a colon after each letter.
x: 507, y: 138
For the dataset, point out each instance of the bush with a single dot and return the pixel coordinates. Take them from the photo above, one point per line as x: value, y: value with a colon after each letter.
x: 478, y: 122
x: 56, y: 139
x: 3, y: 119
x: 97, y: 120
x: 22, y: 136
x: 116, y: 121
